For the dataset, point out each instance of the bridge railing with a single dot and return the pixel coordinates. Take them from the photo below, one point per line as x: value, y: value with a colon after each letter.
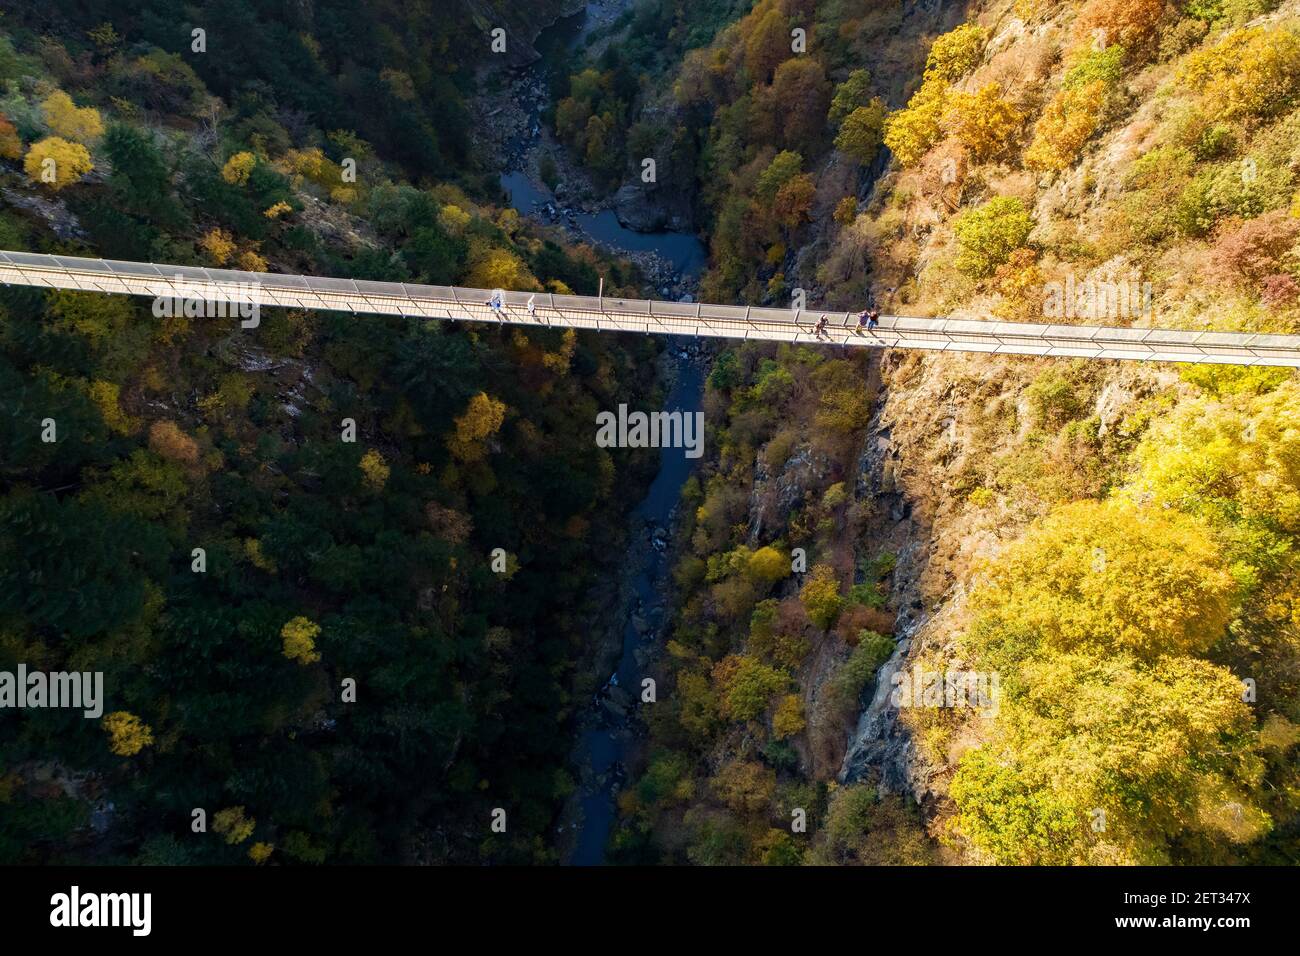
x: 642, y: 315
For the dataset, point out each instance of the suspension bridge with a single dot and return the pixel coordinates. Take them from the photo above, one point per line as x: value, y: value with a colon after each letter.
x: 649, y: 316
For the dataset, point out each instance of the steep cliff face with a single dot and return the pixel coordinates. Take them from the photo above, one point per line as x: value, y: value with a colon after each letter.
x: 965, y: 453
x: 522, y: 22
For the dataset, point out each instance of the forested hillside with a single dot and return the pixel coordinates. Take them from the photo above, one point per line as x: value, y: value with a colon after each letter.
x: 275, y: 542
x: 1114, y: 548
x: 1116, y: 543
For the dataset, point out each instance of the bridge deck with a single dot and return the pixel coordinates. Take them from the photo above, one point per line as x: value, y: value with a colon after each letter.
x: 648, y: 316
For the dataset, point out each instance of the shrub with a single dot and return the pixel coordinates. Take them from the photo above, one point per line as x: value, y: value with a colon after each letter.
x: 1052, y: 399
x: 1255, y: 248
x: 1128, y: 23
x: 1105, y: 65
x: 988, y: 235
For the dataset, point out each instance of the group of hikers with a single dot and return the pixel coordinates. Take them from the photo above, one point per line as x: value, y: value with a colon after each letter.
x: 498, y: 306
x: 867, y: 319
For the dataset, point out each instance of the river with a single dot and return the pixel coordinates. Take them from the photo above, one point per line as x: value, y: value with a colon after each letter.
x: 610, y: 728
x: 681, y: 251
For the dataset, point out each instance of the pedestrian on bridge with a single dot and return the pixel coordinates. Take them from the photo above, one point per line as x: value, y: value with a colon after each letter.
x: 497, y: 303
x: 532, y: 307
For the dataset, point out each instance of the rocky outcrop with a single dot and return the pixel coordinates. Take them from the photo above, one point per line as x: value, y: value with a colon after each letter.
x: 664, y: 203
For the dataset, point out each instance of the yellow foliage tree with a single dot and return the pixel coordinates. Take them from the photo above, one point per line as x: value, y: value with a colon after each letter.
x: 1106, y: 760
x: 482, y: 418
x: 127, y: 733
x: 375, y: 470
x: 252, y: 261
x: 957, y: 52
x: 67, y: 120
x: 238, y: 168
x: 106, y: 396
x: 788, y: 719
x: 820, y: 595
x: 1249, y: 73
x: 768, y: 564
x: 492, y: 267
x: 219, y: 245
x: 299, y: 636
x: 1105, y: 577
x: 167, y: 439
x: 233, y: 825
x: 57, y: 163
x: 910, y: 132
x: 1068, y: 122
x: 260, y: 852
x: 983, y: 122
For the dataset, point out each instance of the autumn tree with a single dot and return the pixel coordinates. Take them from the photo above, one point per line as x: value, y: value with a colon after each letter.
x: 910, y: 132
x: 766, y: 40
x: 862, y: 131
x: 745, y: 685
x: 11, y: 144
x: 1251, y: 72
x: 956, y: 53
x: 66, y: 119
x: 989, y: 234
x: 238, y: 168
x: 233, y: 824
x: 793, y: 202
x: 1068, y: 122
x: 984, y: 122
x: 820, y: 595
x: 853, y: 93
x: 481, y: 420
x: 56, y: 163
x: 800, y: 95
x: 167, y: 439
x: 1103, y: 760
x: 299, y: 637
x: 127, y: 733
